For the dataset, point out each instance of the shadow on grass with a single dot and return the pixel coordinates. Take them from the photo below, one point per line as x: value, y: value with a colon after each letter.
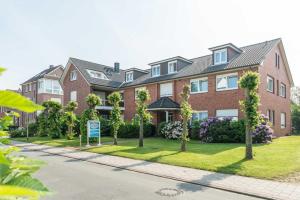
x: 209, y: 179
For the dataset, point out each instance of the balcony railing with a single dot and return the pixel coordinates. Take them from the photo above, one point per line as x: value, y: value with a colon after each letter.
x: 106, y: 103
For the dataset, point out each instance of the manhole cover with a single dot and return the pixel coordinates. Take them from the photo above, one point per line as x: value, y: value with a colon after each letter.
x: 169, y: 192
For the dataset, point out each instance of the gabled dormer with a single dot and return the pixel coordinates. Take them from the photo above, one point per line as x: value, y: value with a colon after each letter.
x: 168, y: 66
x: 224, y: 53
x: 134, y: 73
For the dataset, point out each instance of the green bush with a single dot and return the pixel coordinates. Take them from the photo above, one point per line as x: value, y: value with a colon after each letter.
x: 129, y: 130
x: 105, y: 127
x: 20, y: 132
x: 194, y: 129
x: 33, y: 129
x: 160, y: 127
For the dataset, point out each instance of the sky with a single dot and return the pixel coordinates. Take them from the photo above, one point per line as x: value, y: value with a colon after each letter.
x: 35, y: 34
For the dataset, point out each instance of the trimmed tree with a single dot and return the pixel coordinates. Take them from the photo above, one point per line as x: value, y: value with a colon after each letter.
x: 142, y: 97
x: 115, y: 120
x: 186, y: 114
x: 89, y: 114
x: 70, y: 118
x: 249, y: 82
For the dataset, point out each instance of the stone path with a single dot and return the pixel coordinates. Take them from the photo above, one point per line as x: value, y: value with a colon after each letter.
x: 244, y: 185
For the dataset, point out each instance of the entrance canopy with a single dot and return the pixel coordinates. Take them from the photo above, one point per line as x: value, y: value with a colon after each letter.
x: 163, y: 104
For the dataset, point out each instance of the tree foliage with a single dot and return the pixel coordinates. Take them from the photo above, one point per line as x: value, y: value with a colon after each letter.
x: 250, y: 81
x: 296, y: 118
x: 69, y: 118
x: 90, y: 113
x: 115, y: 120
x: 186, y: 114
x: 142, y: 97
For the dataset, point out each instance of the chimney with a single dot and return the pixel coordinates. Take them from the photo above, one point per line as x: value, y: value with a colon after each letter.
x: 117, y: 67
x: 51, y: 66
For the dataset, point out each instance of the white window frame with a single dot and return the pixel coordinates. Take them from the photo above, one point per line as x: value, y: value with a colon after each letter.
x: 131, y: 77
x: 153, y: 70
x: 170, y: 64
x: 282, y: 120
x: 93, y: 72
x: 226, y: 76
x: 198, y: 80
x: 234, y: 117
x: 268, y: 79
x: 73, y: 75
x: 282, y: 85
x: 160, y: 89
x: 136, y: 91
x: 220, y: 54
x: 29, y: 87
x: 198, y: 112
x: 73, y: 95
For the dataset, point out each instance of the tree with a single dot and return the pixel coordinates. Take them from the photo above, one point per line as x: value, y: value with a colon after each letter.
x: 296, y: 118
x: 186, y: 114
x: 70, y: 118
x: 142, y: 97
x: 249, y: 82
x: 115, y: 99
x: 89, y: 114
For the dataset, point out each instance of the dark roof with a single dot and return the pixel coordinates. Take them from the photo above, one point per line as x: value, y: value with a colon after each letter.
x: 115, y: 79
x: 164, y: 103
x: 251, y: 55
x: 41, y: 74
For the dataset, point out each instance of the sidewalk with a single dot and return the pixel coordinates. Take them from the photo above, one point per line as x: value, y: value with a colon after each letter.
x: 244, y: 185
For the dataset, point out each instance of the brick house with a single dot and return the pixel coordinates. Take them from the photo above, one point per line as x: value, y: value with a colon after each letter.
x: 81, y: 78
x: 213, y: 80
x: 44, y: 86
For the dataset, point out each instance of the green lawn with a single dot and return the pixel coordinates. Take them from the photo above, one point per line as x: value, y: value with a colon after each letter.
x: 62, y: 142
x: 271, y: 161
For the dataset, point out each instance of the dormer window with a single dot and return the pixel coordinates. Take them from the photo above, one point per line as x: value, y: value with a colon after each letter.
x: 97, y: 74
x: 156, y: 70
x: 220, y: 56
x: 172, y: 67
x: 129, y: 76
x: 73, y: 75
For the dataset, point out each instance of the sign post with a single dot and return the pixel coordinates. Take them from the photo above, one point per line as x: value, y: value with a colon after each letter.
x: 93, y: 131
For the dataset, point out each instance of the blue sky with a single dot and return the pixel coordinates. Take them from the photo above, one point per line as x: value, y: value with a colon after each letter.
x: 35, y: 34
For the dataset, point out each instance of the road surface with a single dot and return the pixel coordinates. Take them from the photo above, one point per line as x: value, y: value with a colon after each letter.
x: 74, y: 179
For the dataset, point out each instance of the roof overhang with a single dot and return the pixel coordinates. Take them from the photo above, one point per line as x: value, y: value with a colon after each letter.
x: 162, y: 109
x: 228, y: 45
x: 171, y: 59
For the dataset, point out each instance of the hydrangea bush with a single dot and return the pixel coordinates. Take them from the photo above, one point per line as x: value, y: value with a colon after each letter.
x: 263, y: 132
x: 172, y: 130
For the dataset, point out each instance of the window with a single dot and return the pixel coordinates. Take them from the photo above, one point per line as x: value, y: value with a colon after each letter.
x: 270, y: 84
x: 25, y: 88
x: 199, y: 85
x: 228, y: 113
x: 282, y: 120
x: 56, y: 89
x: 58, y: 100
x: 170, y: 117
x: 199, y: 115
x: 220, y: 56
x: 29, y: 87
x: 73, y: 96
x: 166, y: 89
x: 136, y: 90
x: 277, y: 60
x: 48, y: 86
x: 156, y: 70
x: 73, y: 75
x: 172, y: 67
x: 227, y: 82
x: 271, y: 116
x: 129, y: 76
x: 96, y: 74
x: 282, y: 91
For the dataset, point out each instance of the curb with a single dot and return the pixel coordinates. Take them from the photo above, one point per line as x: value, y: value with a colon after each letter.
x: 153, y: 174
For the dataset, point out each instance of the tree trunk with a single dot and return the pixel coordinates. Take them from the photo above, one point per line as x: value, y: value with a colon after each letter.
x: 184, y: 135
x: 115, y: 138
x: 141, y: 139
x: 249, y: 153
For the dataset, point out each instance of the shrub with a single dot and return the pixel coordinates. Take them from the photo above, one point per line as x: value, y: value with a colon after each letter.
x: 263, y: 132
x: 33, y: 129
x: 105, y: 127
x: 194, y: 129
x: 20, y: 132
x: 130, y: 130
x: 160, y: 127
x: 172, y: 130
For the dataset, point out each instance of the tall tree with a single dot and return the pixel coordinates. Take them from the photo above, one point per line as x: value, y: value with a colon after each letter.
x: 186, y: 114
x: 70, y: 118
x: 142, y: 97
x: 249, y: 82
x: 115, y: 120
x: 89, y: 114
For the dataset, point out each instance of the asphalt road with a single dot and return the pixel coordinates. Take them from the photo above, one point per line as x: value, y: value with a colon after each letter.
x: 73, y: 179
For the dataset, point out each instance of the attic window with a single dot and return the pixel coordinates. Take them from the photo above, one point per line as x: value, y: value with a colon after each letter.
x: 97, y: 74
x: 129, y: 76
x: 220, y: 56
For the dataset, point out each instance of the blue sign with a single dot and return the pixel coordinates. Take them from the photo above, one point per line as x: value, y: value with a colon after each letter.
x: 93, y: 128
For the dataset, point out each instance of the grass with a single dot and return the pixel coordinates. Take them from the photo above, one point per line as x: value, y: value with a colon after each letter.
x: 62, y: 142
x: 271, y: 161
